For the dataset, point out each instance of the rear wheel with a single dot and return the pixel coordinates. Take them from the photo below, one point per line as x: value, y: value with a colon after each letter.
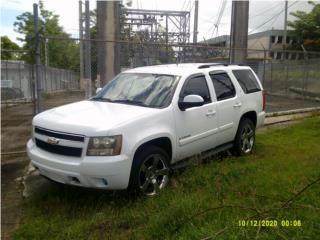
x: 245, y: 138
x: 150, y: 171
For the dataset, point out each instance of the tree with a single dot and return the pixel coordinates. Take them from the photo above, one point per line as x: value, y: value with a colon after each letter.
x: 61, y: 53
x: 306, y: 28
x: 8, y: 49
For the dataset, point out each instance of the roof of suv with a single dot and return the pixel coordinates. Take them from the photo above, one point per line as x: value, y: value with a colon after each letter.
x: 183, y: 68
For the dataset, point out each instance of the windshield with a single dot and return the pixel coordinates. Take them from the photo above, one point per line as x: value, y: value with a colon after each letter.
x: 143, y: 89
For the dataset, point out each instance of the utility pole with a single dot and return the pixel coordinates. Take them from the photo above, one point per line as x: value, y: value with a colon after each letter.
x: 108, y: 18
x: 284, y: 39
x: 117, y: 46
x: 195, y: 29
x: 195, y: 22
x: 81, y: 41
x: 239, y: 32
x: 87, y: 58
x: 167, y: 39
x: 38, y: 90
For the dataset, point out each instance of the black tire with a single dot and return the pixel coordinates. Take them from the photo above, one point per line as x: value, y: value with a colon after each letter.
x: 245, y: 138
x: 150, y: 171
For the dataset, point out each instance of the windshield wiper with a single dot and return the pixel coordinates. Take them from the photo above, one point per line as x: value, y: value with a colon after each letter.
x: 132, y: 102
x: 101, y: 99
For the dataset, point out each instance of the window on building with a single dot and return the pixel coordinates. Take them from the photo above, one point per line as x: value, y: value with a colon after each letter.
x: 271, y: 54
x: 288, y: 40
x: 273, y: 39
x: 279, y: 39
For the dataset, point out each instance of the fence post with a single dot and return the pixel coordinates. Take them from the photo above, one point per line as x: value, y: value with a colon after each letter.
x: 51, y: 77
x: 7, y: 77
x: 37, y: 59
x: 271, y: 75
x: 264, y: 67
x: 19, y: 67
x: 305, y: 75
x: 287, y: 78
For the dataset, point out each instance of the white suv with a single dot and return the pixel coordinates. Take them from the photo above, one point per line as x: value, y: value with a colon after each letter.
x: 145, y: 121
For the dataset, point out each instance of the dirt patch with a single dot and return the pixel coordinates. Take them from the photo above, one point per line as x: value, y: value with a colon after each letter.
x: 11, y: 195
x: 15, y: 132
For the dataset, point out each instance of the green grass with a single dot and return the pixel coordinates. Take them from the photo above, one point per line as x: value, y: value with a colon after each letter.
x: 284, y: 162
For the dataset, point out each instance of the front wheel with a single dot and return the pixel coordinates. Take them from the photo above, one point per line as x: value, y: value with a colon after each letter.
x: 245, y: 138
x: 150, y: 171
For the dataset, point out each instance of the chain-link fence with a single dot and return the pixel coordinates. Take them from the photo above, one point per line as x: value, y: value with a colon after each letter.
x: 17, y: 80
x: 291, y: 78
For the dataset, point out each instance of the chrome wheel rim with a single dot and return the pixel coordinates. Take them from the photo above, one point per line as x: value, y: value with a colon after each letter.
x: 247, y: 139
x: 153, y: 175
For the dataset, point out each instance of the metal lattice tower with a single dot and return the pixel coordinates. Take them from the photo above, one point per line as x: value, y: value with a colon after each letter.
x: 175, y: 29
x: 162, y: 26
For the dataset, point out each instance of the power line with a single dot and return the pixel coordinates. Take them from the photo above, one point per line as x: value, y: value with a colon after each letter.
x: 258, y: 40
x: 215, y: 25
x: 276, y: 15
x: 266, y: 10
x: 183, y: 5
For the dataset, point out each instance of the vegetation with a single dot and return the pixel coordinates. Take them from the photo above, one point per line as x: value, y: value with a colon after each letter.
x: 277, y: 182
x: 7, y: 44
x: 306, y: 28
x: 59, y: 53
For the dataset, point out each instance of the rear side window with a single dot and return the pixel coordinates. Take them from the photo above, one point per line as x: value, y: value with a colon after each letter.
x: 222, y: 85
x: 248, y: 82
x: 197, y: 86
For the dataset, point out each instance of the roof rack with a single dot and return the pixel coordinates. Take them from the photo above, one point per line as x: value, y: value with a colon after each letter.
x: 207, y: 65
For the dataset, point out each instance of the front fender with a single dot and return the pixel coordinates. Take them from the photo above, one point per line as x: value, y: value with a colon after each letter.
x: 147, y: 138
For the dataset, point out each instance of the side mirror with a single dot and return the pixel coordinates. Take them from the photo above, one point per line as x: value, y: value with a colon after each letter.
x: 98, y: 90
x: 190, y: 101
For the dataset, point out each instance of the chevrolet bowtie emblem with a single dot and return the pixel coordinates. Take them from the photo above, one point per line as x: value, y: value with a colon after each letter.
x: 53, y: 141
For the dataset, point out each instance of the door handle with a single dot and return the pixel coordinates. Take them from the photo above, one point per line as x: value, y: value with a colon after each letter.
x: 238, y: 104
x: 210, y: 113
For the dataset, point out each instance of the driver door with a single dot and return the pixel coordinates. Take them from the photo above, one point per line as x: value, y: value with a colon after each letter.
x: 195, y: 127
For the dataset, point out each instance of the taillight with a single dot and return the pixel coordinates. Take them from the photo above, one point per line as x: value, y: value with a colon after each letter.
x: 264, y: 93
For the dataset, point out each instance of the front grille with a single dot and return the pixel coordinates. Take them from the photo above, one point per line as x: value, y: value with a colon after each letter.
x: 71, y: 147
x: 62, y: 150
x: 61, y: 135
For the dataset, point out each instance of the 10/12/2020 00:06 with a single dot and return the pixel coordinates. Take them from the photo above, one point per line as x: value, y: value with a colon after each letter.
x: 269, y: 223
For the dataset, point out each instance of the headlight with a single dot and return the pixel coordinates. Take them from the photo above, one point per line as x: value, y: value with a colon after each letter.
x: 104, y: 146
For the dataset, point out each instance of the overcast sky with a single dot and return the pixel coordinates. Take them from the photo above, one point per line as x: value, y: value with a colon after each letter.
x: 269, y: 12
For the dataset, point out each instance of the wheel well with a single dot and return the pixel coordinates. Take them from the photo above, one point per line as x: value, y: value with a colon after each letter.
x: 162, y: 142
x: 252, y: 115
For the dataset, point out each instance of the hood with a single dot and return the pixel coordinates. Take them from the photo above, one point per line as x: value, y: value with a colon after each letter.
x: 89, y: 118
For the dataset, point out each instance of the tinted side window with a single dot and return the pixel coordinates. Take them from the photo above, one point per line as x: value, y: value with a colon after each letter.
x: 247, y: 80
x: 198, y: 86
x: 223, y: 86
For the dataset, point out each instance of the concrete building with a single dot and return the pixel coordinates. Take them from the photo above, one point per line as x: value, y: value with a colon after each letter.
x: 270, y: 41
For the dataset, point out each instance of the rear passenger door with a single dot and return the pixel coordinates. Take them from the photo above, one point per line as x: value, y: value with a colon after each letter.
x: 228, y: 106
x: 251, y: 87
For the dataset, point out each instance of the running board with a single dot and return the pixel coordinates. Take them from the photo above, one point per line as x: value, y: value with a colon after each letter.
x: 184, y: 162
